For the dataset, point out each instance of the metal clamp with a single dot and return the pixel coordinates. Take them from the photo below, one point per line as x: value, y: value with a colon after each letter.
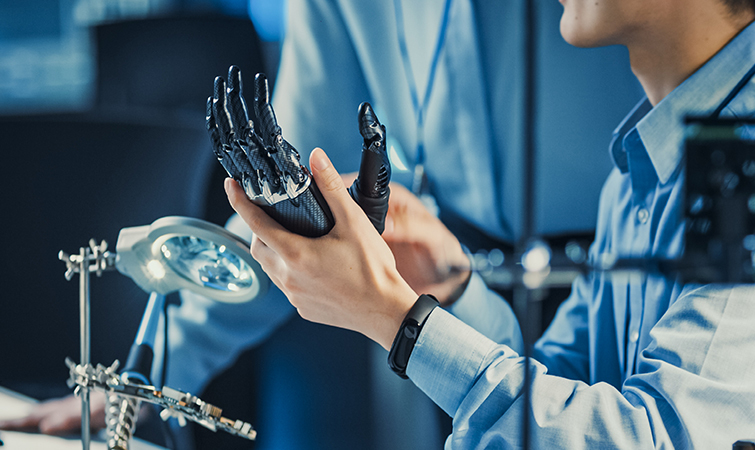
x: 175, y: 403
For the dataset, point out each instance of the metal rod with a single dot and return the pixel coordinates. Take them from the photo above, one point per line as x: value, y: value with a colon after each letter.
x: 521, y: 303
x: 522, y: 295
x: 150, y: 320
x: 85, y: 336
x: 530, y: 117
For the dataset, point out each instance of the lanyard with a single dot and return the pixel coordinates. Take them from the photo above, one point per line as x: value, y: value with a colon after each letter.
x: 419, y: 183
x: 742, y: 83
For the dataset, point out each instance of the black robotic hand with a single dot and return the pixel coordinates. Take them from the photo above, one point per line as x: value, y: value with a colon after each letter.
x: 268, y: 167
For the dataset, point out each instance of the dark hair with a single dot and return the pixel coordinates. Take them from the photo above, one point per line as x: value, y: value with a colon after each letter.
x: 739, y: 6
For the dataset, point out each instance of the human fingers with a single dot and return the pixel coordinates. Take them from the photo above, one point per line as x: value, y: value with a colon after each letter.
x: 29, y: 422
x: 331, y: 185
x: 59, y: 416
x: 270, y: 261
x: 60, y: 423
x: 63, y: 416
x: 348, y: 178
x: 407, y: 219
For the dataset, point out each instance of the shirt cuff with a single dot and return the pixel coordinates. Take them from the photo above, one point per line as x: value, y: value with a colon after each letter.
x: 447, y: 358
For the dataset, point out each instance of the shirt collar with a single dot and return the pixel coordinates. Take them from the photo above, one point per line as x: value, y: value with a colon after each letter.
x: 661, y: 128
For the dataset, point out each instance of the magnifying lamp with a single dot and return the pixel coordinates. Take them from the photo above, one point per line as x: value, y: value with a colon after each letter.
x: 184, y: 253
x: 170, y: 254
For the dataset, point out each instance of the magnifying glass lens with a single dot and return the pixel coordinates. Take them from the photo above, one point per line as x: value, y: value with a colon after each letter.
x: 207, y: 264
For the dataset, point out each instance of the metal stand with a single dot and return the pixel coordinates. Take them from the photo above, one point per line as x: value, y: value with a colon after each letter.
x: 523, y: 295
x: 126, y: 391
x: 94, y: 258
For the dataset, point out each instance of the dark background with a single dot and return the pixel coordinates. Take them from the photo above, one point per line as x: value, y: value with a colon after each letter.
x: 135, y: 150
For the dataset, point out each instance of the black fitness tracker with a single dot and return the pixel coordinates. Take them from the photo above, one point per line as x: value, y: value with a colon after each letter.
x: 403, y: 343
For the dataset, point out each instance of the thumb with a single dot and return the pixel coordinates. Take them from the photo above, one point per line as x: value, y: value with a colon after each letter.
x: 329, y: 182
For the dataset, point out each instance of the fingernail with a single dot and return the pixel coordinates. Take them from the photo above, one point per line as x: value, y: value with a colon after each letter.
x: 227, y: 185
x: 319, y: 160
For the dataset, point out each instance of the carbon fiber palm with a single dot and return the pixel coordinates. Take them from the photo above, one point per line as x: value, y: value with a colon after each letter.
x: 269, y: 168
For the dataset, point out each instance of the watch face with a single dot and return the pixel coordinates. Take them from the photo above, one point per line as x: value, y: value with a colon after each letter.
x: 411, y: 330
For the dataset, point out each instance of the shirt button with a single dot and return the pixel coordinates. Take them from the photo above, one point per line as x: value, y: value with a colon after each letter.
x: 643, y: 215
x: 633, y: 336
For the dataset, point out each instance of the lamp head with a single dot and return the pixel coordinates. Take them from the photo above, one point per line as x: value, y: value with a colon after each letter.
x: 184, y: 253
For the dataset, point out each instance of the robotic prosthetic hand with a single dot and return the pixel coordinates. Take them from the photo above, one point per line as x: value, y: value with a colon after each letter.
x: 268, y: 167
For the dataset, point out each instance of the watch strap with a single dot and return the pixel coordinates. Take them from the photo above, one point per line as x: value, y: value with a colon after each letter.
x: 408, y: 333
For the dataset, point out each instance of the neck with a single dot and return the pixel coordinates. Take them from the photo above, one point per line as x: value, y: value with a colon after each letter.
x: 662, y: 60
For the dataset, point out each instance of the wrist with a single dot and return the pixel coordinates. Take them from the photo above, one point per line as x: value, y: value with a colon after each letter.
x: 457, y: 278
x: 408, y: 333
x: 400, y: 298
x: 461, y: 281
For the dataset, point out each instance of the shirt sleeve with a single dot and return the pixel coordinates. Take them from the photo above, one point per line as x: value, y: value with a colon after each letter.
x: 205, y: 337
x: 691, y: 390
x: 316, y: 106
x: 564, y: 346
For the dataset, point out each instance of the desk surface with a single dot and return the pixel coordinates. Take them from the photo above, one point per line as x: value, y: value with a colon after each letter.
x: 14, y: 405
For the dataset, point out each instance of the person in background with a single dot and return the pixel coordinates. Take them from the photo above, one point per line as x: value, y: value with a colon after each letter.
x: 337, y: 54
x: 642, y: 361
x: 446, y: 79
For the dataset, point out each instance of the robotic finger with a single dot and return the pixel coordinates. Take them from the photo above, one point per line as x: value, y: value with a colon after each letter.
x: 217, y: 146
x: 260, y: 178
x: 370, y: 190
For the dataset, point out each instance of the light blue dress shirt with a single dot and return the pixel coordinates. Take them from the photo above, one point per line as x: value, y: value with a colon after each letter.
x: 339, y: 53
x: 634, y: 362
x: 473, y: 119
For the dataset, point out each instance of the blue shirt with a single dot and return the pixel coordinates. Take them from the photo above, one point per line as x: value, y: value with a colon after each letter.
x: 336, y: 56
x: 633, y: 362
x: 472, y: 120
x: 339, y: 53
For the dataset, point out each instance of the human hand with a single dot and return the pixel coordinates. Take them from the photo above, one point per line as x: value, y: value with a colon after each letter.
x: 428, y: 256
x: 346, y: 278
x: 60, y: 416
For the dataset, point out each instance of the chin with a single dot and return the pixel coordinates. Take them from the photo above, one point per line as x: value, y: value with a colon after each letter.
x: 569, y: 33
x: 576, y: 36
